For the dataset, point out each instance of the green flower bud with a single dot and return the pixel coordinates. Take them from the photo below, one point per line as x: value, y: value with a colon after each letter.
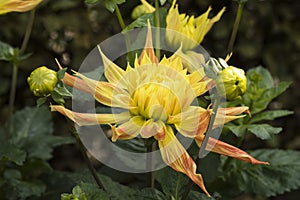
x: 231, y: 82
x: 42, y: 81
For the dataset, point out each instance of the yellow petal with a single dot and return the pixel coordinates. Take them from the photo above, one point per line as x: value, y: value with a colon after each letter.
x: 84, y: 119
x: 225, y: 149
x: 128, y: 130
x: 147, y: 6
x: 112, y: 72
x: 174, y: 154
x: 17, y: 5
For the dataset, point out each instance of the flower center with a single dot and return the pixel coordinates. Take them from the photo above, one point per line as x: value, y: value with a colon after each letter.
x: 156, y: 101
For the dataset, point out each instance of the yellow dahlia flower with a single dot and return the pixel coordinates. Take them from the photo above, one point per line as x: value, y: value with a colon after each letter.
x: 157, y: 98
x: 17, y: 5
x: 188, y: 30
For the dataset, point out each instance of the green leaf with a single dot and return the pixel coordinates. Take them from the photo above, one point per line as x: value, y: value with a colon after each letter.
x: 238, y: 130
x: 24, y: 189
x: 77, y: 194
x: 282, y: 175
x: 41, y: 101
x: 61, y: 73
x: 36, y: 124
x: 7, y: 52
x: 151, y: 194
x: 139, y: 22
x: 10, y: 54
x: 12, y: 153
x: 270, y: 115
x: 91, y: 1
x: 110, y: 4
x: 268, y: 95
x: 92, y: 191
x: 62, y: 91
x: 114, y: 189
x: 259, y: 76
x: 57, y: 97
x: 142, y: 21
x: 173, y: 183
x: 197, y: 195
x: 263, y: 131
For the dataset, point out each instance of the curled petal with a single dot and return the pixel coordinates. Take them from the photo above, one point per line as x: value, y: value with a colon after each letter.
x: 174, y: 154
x: 128, y: 130
x: 84, y: 119
x: 225, y: 115
x: 225, y: 149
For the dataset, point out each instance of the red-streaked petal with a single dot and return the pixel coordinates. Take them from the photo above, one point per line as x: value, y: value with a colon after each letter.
x: 191, y: 122
x: 74, y: 82
x: 84, y: 119
x: 128, y: 130
x: 148, y: 48
x: 174, y: 154
x: 225, y: 115
x: 225, y: 149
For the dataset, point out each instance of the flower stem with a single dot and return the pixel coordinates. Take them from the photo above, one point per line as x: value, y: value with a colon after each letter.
x: 157, y: 32
x: 150, y: 175
x: 210, y: 126
x: 235, y: 26
x: 14, y: 79
x: 123, y: 26
x: 86, y: 158
x: 28, y: 31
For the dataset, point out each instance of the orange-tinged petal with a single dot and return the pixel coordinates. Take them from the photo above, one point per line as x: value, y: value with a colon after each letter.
x: 151, y: 128
x: 84, y: 119
x: 225, y: 115
x: 128, y: 130
x: 174, y: 154
x: 148, y: 48
x: 107, y: 93
x: 225, y: 149
x: 192, y: 121
x: 74, y: 81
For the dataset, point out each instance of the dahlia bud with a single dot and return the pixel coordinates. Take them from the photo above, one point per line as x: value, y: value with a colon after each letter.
x: 42, y: 81
x: 142, y: 9
x: 231, y: 82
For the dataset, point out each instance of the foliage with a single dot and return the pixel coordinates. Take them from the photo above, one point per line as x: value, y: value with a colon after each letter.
x: 282, y: 173
x: 25, y: 153
x: 261, y: 91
